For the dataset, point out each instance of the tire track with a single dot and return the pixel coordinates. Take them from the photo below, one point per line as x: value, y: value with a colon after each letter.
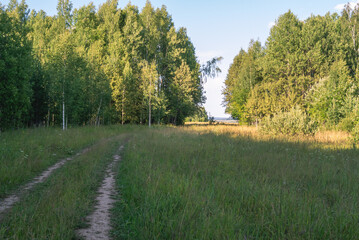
x: 99, y: 220
x: 8, y: 202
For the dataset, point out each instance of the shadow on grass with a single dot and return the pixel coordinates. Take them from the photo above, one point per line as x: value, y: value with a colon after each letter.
x: 177, y: 184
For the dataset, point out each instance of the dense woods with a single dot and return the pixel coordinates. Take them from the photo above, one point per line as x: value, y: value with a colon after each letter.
x: 96, y: 66
x: 306, y: 67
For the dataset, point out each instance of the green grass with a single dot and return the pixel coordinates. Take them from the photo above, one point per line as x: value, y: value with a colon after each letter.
x: 183, y: 183
x: 26, y: 153
x: 55, y: 209
x: 175, y: 184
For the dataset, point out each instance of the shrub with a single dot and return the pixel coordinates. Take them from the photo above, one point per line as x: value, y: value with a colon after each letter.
x: 355, y: 135
x: 211, y: 120
x: 346, y: 124
x: 293, y: 122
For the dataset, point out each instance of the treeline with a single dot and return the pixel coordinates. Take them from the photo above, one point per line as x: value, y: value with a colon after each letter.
x: 89, y: 66
x: 308, y: 66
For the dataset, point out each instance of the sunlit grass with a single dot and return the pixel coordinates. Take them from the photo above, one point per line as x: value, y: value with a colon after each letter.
x: 220, y: 182
x: 334, y: 139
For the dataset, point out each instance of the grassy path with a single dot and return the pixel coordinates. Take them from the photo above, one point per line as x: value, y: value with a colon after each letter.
x: 24, y: 154
x: 55, y: 205
x: 9, y: 201
x: 99, y: 220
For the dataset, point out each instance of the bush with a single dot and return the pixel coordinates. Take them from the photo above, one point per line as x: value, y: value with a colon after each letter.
x: 211, y: 120
x: 293, y: 122
x: 346, y: 124
x: 200, y: 115
x: 355, y: 135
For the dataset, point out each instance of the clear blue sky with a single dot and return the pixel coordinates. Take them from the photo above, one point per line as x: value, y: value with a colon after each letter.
x: 218, y: 28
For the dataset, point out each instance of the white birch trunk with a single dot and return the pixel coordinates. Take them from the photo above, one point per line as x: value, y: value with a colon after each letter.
x: 149, y: 112
x: 63, y: 113
x: 123, y: 105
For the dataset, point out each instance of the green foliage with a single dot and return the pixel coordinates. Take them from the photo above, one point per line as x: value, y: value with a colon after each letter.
x: 294, y: 122
x: 15, y: 66
x: 311, y: 63
x: 355, y: 135
x: 283, y: 48
x: 346, y: 124
x: 183, y: 94
x: 242, y: 76
x: 149, y: 83
x: 333, y: 97
x: 85, y: 66
x: 200, y: 115
x: 211, y: 69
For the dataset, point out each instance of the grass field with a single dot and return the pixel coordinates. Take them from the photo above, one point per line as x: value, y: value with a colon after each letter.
x: 232, y: 183
x: 192, y: 182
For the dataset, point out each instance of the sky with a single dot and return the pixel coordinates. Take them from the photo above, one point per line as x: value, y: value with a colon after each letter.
x: 219, y: 27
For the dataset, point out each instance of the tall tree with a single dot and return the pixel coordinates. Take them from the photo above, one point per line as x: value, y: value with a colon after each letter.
x: 127, y: 55
x: 182, y: 89
x: 84, y: 65
x: 149, y: 78
x: 15, y: 66
x: 243, y: 74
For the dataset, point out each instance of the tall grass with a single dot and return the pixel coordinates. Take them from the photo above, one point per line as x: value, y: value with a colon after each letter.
x: 195, y: 183
x: 26, y: 153
x: 323, y: 138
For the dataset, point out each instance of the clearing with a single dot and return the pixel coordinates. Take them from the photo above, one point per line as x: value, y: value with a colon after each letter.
x: 193, y: 182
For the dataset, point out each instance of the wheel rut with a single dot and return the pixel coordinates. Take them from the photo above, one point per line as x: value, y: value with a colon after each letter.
x: 8, y: 202
x: 99, y: 220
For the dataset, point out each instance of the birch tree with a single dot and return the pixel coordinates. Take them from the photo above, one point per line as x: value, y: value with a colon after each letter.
x: 149, y: 78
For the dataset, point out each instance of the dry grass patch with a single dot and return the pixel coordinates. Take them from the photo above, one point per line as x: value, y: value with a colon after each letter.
x: 333, y: 139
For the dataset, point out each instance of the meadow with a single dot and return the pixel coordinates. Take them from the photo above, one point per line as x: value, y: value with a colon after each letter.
x: 230, y: 182
x: 191, y: 182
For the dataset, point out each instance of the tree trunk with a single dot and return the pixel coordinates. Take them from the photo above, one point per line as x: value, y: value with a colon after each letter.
x: 123, y: 104
x: 97, y: 123
x: 63, y: 111
x: 149, y: 112
x: 48, y: 117
x: 63, y: 99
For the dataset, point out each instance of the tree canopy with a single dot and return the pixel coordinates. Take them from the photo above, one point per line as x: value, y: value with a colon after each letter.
x: 311, y: 65
x: 96, y: 66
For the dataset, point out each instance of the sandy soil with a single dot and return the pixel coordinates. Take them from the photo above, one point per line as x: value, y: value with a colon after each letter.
x: 99, y: 220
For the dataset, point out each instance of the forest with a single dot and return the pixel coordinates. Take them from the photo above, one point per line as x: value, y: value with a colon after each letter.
x: 307, y: 73
x: 89, y: 67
